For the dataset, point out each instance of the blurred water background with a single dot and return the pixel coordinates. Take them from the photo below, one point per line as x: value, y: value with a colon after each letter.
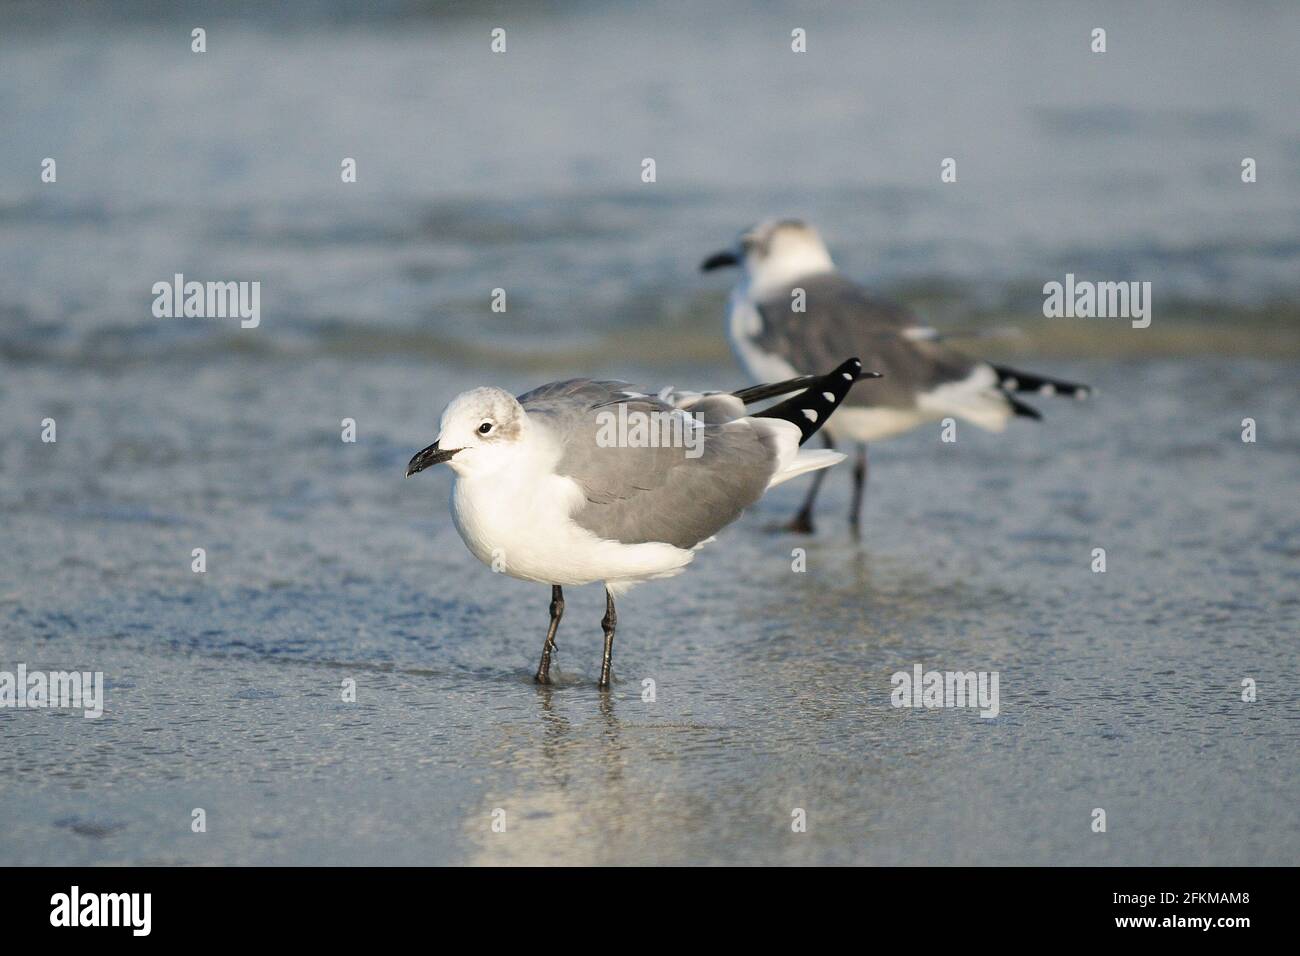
x: 522, y: 171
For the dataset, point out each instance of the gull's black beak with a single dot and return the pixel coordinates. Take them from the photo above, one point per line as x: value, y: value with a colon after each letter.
x: 720, y: 259
x: 428, y: 457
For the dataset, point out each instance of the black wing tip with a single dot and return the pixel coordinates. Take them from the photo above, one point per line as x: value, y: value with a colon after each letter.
x: 1023, y: 410
x: 757, y: 393
x: 1013, y: 380
x: 854, y: 366
x: 809, y: 410
x: 849, y: 370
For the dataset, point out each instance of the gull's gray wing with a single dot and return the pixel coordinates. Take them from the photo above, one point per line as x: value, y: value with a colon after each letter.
x: 640, y: 494
x: 711, y: 407
x: 841, y: 318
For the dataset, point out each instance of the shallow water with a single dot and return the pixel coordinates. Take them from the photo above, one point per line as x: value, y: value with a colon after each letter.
x: 1118, y: 690
x: 523, y: 171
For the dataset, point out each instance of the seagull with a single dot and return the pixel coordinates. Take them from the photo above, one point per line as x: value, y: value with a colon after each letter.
x: 583, y: 481
x: 791, y: 307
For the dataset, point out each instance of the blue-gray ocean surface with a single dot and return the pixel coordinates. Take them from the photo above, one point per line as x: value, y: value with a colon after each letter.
x: 522, y: 171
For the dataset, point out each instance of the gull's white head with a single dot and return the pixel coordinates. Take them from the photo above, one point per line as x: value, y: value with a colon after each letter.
x: 775, y: 254
x: 482, y: 431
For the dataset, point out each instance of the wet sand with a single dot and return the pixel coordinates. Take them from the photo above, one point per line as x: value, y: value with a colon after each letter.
x: 1118, y: 690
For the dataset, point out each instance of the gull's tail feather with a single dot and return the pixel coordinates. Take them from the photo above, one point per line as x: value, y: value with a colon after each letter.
x: 1011, y: 380
x: 809, y: 410
x: 802, y: 462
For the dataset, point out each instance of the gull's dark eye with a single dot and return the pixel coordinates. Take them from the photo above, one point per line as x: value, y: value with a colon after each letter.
x: 485, y: 428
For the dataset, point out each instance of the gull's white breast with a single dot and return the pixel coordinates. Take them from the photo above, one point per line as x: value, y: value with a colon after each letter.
x: 518, y: 523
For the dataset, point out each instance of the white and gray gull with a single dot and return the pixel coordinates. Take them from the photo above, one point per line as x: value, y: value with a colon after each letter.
x: 791, y: 310
x: 583, y: 481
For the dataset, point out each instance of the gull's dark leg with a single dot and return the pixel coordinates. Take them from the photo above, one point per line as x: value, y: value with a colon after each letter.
x: 859, y: 485
x: 802, y: 522
x: 607, y: 623
x: 557, y: 612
